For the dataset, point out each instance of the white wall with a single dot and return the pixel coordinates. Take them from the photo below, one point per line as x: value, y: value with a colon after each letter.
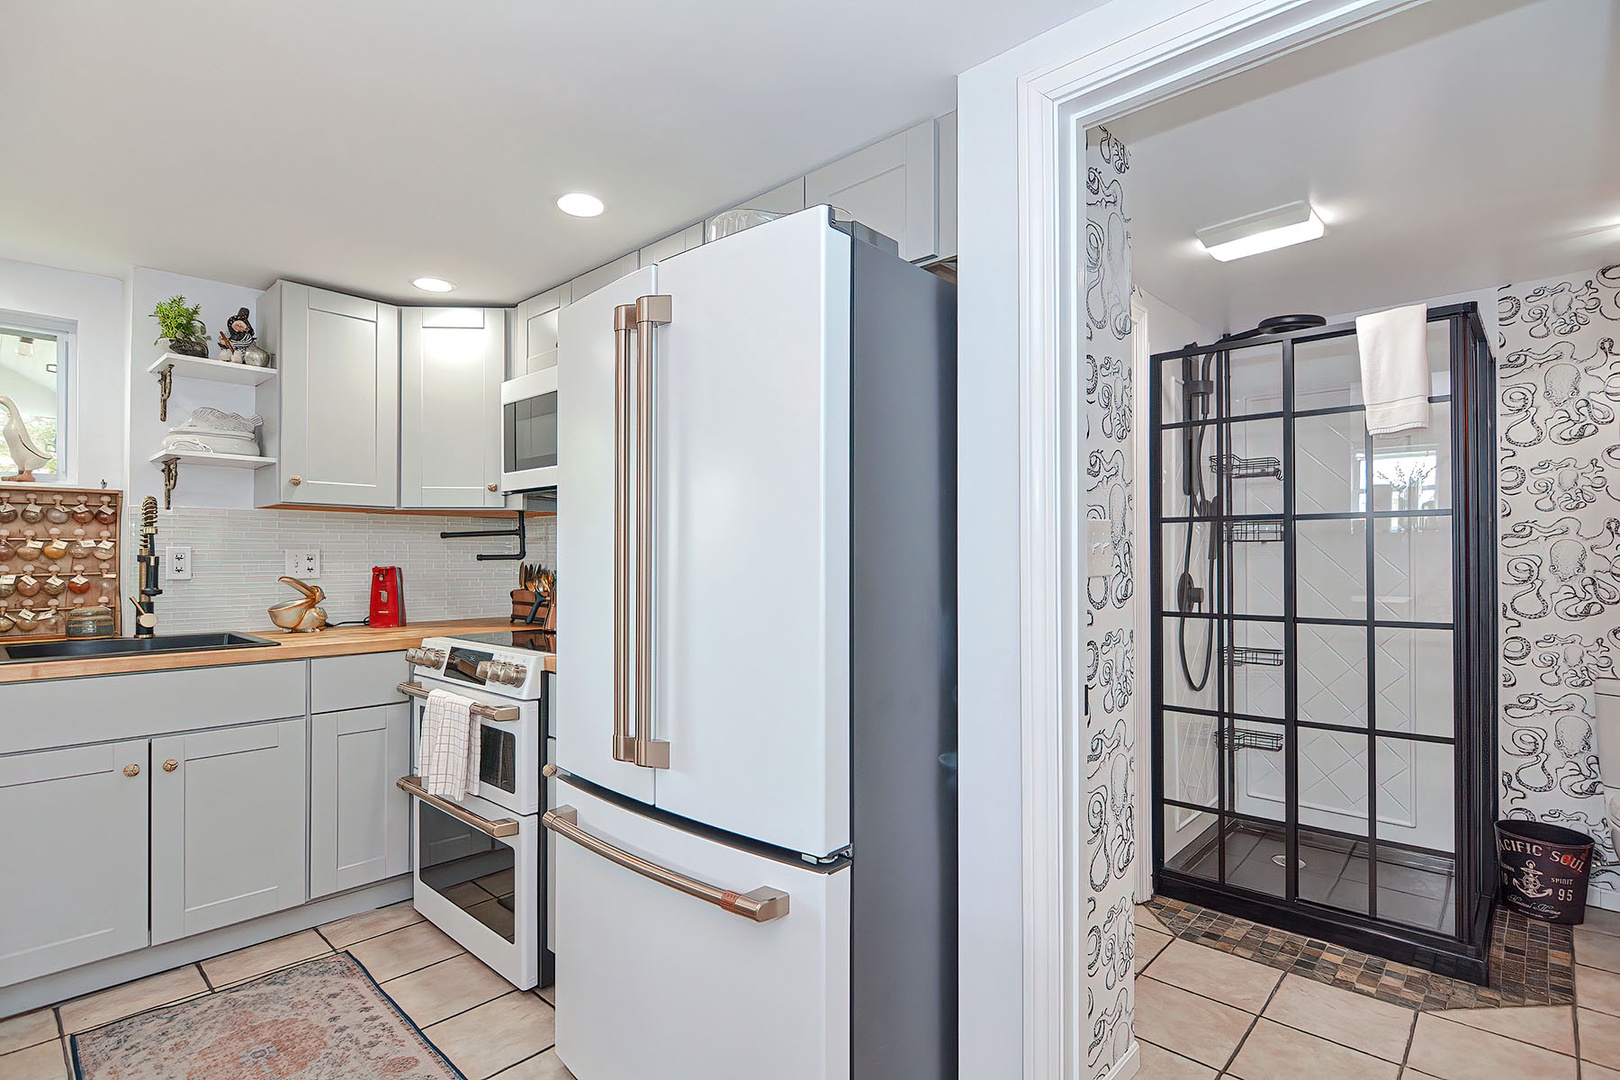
x: 96, y: 306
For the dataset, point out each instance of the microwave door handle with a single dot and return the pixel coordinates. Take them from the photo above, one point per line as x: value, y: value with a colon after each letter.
x: 624, y: 321
x: 650, y: 311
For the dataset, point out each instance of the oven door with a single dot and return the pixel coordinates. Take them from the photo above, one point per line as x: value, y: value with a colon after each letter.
x: 508, y: 751
x: 477, y: 878
x: 529, y: 432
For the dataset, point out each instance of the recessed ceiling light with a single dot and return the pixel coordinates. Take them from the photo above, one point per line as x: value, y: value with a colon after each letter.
x: 1266, y: 231
x: 433, y: 284
x: 580, y: 204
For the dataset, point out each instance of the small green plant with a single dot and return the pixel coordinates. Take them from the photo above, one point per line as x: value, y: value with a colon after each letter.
x: 177, y: 322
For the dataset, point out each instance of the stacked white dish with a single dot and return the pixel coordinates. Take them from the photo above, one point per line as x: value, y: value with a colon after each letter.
x: 215, y: 431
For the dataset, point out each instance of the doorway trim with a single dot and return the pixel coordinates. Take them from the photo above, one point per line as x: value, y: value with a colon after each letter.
x: 1151, y: 51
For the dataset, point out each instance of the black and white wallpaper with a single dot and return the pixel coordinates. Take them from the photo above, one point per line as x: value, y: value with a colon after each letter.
x: 1110, y: 753
x: 1558, y: 442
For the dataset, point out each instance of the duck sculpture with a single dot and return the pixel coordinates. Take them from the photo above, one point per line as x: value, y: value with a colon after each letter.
x: 24, y: 451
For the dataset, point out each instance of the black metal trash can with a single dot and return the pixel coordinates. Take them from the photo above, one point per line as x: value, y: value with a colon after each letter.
x: 1544, y: 869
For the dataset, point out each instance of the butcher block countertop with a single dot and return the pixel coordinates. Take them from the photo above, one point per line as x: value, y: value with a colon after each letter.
x: 341, y: 641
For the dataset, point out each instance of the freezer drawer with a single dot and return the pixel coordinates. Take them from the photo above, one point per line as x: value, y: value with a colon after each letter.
x: 657, y: 983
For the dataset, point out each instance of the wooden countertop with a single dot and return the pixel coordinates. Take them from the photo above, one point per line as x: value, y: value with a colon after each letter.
x: 340, y: 641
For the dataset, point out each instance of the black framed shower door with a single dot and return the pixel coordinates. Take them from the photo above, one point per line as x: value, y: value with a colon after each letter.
x: 1323, y: 686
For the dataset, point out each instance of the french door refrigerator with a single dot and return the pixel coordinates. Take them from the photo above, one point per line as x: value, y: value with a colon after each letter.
x: 756, y: 738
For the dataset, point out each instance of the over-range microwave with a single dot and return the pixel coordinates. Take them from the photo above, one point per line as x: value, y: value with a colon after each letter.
x: 529, y: 432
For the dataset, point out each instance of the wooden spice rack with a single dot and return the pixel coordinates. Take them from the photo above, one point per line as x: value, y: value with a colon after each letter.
x: 59, y: 550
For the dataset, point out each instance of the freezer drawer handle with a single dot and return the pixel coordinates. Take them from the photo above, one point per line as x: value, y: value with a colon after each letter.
x: 501, y: 714
x: 761, y: 905
x: 501, y: 827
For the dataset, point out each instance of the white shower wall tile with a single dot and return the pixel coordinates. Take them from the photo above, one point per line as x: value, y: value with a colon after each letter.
x: 238, y: 555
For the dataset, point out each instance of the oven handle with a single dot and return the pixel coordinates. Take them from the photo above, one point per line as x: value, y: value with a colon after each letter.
x: 501, y: 827
x: 761, y: 905
x: 500, y: 714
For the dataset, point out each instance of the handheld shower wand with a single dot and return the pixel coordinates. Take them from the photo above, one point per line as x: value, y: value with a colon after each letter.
x: 147, y: 560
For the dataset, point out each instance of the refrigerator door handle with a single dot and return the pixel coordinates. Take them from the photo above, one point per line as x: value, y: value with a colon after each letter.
x: 761, y: 905
x: 650, y: 311
x: 624, y: 322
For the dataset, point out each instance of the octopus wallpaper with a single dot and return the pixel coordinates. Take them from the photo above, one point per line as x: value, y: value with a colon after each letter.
x: 1557, y: 439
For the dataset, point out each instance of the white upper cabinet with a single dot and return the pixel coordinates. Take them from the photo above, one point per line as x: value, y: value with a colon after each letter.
x: 890, y: 186
x: 452, y: 362
x: 945, y: 127
x: 672, y: 245
x: 534, y: 333
x: 332, y: 418
x: 606, y: 274
x: 787, y: 199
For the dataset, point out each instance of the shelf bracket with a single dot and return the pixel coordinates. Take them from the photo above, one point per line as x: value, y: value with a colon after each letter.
x: 520, y: 531
x: 165, y: 385
x: 171, y: 477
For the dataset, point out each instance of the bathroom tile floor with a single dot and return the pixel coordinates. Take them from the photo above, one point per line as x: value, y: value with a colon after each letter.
x: 486, y: 1028
x: 1204, y: 1011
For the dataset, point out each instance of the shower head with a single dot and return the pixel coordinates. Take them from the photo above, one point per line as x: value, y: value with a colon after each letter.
x: 1287, y: 324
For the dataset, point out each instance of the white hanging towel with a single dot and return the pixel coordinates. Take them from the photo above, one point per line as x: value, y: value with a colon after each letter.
x: 449, y: 768
x: 1395, y: 368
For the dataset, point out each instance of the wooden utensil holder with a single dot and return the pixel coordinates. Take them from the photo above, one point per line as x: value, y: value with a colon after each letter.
x: 30, y: 562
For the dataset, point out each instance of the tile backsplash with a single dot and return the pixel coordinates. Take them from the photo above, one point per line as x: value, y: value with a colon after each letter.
x: 238, y: 555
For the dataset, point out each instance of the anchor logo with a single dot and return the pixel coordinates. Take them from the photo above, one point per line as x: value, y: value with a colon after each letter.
x: 1529, y: 882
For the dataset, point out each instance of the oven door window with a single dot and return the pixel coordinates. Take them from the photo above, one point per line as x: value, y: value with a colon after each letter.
x: 529, y: 429
x: 473, y: 871
x: 497, y: 758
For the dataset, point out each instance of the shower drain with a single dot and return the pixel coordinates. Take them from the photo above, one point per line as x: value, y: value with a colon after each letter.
x: 1282, y: 860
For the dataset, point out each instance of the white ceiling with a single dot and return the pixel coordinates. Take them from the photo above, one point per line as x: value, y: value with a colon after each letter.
x: 361, y: 143
x: 1462, y: 145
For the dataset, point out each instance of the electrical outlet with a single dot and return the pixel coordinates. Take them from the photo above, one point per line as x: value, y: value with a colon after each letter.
x: 179, y: 559
x: 304, y: 565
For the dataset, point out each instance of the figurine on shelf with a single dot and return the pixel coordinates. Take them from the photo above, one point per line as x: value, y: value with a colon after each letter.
x: 25, y: 453
x: 240, y: 344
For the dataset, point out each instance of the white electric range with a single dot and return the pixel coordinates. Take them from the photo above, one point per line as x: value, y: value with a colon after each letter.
x: 480, y: 863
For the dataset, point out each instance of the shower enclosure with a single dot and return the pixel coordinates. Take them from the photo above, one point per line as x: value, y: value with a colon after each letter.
x: 1324, y: 675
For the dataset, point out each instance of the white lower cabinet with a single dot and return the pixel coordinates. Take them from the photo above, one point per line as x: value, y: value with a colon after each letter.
x: 359, y: 822
x: 75, y: 865
x: 713, y: 994
x: 228, y: 826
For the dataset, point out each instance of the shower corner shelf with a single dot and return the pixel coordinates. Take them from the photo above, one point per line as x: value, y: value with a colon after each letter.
x: 1244, y: 739
x: 1242, y: 468
x: 1255, y: 532
x: 1248, y: 656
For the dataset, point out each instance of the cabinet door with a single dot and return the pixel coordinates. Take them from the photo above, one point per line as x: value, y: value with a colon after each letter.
x: 338, y: 424
x: 452, y: 362
x: 534, y: 333
x: 672, y: 245
x: 228, y: 836
x: 358, y: 820
x: 606, y: 274
x: 889, y: 187
x: 787, y: 199
x: 75, y: 857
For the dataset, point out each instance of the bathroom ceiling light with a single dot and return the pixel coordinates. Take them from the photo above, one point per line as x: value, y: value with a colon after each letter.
x: 1266, y: 231
x: 433, y: 284
x: 580, y: 204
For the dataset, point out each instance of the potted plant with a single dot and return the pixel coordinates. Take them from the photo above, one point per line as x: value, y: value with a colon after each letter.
x: 180, y: 325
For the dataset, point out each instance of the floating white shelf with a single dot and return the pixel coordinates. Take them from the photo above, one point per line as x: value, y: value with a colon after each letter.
x: 217, y: 461
x: 192, y: 367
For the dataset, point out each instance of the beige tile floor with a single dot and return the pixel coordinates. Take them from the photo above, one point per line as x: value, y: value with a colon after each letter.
x: 1203, y: 1014
x: 485, y: 1027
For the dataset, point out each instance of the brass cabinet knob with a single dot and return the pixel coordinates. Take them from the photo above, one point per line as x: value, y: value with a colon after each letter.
x: 296, y: 480
x: 494, y: 487
x: 170, y: 765
x: 132, y: 770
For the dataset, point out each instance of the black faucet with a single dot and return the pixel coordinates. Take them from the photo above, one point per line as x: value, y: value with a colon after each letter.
x: 145, y: 610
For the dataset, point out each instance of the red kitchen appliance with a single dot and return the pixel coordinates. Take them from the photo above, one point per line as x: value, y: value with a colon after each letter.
x: 387, y: 596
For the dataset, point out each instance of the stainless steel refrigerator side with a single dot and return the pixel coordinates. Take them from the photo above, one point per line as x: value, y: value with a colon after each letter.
x: 903, y: 664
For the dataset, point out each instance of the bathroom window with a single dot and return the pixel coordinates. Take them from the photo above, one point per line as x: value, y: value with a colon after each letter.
x: 34, y: 362
x: 1403, y: 478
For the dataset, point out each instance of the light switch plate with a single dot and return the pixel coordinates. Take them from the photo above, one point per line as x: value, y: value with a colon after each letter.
x: 1099, y: 547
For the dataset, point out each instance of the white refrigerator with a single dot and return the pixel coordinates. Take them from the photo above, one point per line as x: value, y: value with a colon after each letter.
x: 755, y: 823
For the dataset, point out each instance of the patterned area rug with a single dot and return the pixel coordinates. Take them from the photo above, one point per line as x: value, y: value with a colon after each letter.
x: 322, y: 1020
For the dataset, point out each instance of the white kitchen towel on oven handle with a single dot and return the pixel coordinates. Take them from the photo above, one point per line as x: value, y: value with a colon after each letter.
x: 449, y: 766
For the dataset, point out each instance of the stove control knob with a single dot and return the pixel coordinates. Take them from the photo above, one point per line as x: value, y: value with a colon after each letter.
x: 425, y: 657
x: 504, y: 672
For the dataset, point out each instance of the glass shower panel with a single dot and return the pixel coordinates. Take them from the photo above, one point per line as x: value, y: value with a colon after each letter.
x: 1191, y: 841
x: 1412, y: 569
x: 1254, y: 376
x: 1256, y: 668
x: 1333, y: 675
x: 1331, y: 558
x: 1257, y: 789
x: 1416, y: 832
x: 1323, y: 858
x: 1330, y: 463
x: 1185, y: 644
x: 1411, y: 470
x: 1327, y: 372
x: 1245, y: 466
x: 1415, y: 674
x: 1191, y: 759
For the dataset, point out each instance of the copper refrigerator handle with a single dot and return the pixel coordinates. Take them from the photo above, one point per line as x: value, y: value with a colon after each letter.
x: 501, y: 827
x: 651, y: 311
x: 500, y: 714
x: 624, y: 321
x: 761, y: 905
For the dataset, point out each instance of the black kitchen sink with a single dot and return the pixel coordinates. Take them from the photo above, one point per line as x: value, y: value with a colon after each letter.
x: 162, y: 643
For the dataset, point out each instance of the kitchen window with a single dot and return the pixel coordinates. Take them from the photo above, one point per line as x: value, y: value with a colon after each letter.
x: 35, y: 357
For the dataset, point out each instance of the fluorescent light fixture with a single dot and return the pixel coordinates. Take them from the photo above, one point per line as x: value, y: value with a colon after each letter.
x: 580, y: 204
x: 1266, y: 231
x: 433, y: 284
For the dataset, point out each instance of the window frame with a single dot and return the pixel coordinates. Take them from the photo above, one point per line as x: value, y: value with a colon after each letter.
x: 65, y: 333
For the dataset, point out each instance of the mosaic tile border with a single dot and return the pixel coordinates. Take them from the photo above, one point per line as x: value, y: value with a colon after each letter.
x: 1532, y: 962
